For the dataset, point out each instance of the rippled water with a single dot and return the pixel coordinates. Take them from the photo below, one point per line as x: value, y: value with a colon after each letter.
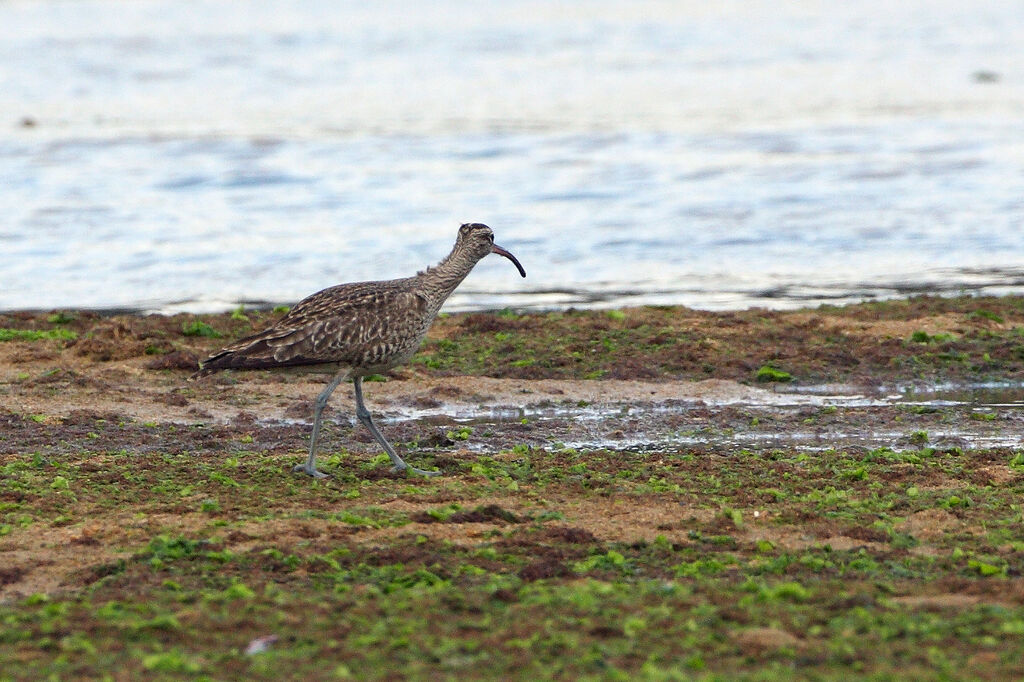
x: 193, y: 155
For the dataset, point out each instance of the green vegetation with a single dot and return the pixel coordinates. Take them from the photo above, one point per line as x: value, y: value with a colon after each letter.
x: 924, y: 337
x: 200, y: 328
x: 746, y: 565
x: 61, y: 317
x: 57, y: 334
x: 768, y: 373
x: 616, y: 315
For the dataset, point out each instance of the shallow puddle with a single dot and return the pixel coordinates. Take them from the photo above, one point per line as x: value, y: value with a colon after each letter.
x: 811, y: 418
x: 989, y: 395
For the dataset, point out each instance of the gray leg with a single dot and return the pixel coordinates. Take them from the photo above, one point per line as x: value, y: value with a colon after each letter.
x: 309, y: 468
x: 364, y: 416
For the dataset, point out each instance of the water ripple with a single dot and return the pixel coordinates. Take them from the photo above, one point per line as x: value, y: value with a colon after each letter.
x: 194, y: 156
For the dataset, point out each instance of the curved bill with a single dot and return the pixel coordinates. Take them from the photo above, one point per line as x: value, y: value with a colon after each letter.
x: 502, y: 252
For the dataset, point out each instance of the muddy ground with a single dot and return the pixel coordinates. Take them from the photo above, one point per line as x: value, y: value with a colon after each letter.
x: 647, y: 493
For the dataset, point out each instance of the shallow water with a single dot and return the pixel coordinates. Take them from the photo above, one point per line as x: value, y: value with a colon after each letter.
x: 811, y: 418
x: 194, y: 155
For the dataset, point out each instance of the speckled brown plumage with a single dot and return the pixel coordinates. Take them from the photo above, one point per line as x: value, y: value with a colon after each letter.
x: 367, y: 326
x: 361, y: 328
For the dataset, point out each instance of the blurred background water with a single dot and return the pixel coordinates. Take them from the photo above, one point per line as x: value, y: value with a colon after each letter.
x: 192, y: 155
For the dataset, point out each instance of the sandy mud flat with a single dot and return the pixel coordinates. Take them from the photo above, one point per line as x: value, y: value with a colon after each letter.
x: 825, y: 491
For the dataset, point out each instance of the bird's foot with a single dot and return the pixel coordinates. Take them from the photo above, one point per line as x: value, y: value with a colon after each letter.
x: 309, y: 471
x: 421, y: 472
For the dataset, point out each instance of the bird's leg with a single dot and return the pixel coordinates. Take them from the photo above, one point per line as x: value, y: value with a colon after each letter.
x: 364, y: 416
x: 309, y: 467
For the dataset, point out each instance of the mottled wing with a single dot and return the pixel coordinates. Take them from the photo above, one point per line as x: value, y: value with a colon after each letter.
x: 357, y: 324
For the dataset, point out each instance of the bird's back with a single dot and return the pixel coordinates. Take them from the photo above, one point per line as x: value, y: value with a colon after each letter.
x: 367, y: 326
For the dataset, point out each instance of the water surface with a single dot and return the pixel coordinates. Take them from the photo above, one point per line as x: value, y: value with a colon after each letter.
x: 195, y: 155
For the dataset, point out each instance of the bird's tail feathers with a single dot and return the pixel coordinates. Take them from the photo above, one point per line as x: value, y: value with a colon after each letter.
x: 259, y: 351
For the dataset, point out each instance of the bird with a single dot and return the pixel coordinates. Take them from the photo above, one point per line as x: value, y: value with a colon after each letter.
x: 359, y: 329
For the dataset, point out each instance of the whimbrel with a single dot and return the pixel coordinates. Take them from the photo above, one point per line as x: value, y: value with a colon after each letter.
x: 359, y: 329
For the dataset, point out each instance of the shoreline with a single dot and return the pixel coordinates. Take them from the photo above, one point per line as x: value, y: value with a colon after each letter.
x: 921, y: 339
x: 607, y: 474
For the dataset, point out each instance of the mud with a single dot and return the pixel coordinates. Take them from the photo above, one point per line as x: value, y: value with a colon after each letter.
x: 120, y: 387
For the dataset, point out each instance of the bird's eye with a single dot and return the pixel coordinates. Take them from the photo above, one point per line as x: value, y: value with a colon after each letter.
x: 491, y: 238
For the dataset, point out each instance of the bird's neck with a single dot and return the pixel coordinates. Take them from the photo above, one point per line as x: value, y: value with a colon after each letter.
x: 442, y: 279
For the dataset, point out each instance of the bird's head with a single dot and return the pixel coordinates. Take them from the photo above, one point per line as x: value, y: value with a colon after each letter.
x: 478, y: 239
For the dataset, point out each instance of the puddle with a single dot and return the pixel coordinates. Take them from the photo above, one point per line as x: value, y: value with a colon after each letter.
x: 1001, y: 395
x: 981, y: 396
x: 988, y: 394
x: 811, y: 418
x: 808, y: 441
